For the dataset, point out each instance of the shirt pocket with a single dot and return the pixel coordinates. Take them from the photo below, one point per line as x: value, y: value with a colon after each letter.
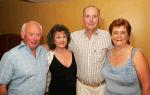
x: 24, y: 69
x: 101, y: 54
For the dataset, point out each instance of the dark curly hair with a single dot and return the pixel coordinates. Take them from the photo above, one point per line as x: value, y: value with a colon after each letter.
x: 52, y: 32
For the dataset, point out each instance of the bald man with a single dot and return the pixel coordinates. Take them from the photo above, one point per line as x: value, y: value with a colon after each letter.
x: 23, y: 69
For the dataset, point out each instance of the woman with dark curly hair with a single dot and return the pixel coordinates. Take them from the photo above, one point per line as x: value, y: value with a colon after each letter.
x: 62, y: 63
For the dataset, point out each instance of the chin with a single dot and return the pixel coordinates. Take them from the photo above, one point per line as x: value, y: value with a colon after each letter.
x: 63, y: 47
x: 33, y: 47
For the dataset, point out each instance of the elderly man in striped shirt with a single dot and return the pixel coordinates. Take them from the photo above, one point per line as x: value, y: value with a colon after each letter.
x: 89, y: 46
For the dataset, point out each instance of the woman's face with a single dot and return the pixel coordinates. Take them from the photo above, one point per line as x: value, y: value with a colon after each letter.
x: 60, y: 39
x: 119, y: 36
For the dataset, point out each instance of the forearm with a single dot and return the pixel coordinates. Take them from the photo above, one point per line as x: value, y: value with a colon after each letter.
x: 3, y: 89
x: 146, y: 91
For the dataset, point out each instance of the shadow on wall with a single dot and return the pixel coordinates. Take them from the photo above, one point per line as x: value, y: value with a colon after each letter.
x: 102, y: 24
x: 8, y: 41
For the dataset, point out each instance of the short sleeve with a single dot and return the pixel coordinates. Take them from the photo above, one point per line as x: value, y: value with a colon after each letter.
x: 6, y: 69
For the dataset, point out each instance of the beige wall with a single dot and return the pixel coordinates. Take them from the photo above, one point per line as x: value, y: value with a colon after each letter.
x: 69, y: 12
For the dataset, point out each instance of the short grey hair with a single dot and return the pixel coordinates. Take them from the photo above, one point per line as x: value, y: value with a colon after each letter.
x: 23, y: 29
x: 98, y: 10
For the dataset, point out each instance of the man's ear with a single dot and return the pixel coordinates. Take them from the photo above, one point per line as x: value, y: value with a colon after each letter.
x: 22, y: 34
x: 82, y: 20
x: 99, y: 20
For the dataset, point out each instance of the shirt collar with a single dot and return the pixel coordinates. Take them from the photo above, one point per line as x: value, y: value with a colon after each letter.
x: 95, y: 33
x: 22, y: 44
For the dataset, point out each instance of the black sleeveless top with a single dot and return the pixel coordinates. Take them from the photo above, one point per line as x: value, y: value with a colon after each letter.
x: 63, y: 79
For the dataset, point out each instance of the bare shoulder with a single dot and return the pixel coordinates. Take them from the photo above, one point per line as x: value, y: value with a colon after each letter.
x: 139, y: 54
x: 139, y: 58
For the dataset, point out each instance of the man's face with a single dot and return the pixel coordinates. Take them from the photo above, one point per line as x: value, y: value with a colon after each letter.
x: 91, y: 18
x: 32, y: 35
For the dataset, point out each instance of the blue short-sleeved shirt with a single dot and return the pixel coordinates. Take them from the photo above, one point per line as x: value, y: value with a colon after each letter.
x: 22, y: 72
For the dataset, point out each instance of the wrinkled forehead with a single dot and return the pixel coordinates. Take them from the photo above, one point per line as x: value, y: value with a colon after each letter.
x: 33, y: 28
x: 91, y: 9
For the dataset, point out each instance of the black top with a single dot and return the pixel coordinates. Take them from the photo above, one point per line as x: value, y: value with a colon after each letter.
x: 63, y: 81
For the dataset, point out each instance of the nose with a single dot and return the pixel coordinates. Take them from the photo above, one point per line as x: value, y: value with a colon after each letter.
x: 62, y: 39
x: 35, y: 38
x: 91, y: 18
x: 119, y: 35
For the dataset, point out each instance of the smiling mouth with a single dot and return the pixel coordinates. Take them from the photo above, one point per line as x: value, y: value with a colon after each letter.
x: 118, y: 40
x: 91, y: 24
x: 34, y: 43
x: 61, y: 43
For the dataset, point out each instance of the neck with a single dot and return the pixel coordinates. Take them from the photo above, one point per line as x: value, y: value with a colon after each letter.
x: 61, y: 50
x: 34, y: 52
x: 121, y: 47
x: 90, y: 33
x: 121, y: 50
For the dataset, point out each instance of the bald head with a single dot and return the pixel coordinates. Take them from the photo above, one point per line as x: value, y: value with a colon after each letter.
x: 31, y: 34
x: 31, y: 23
